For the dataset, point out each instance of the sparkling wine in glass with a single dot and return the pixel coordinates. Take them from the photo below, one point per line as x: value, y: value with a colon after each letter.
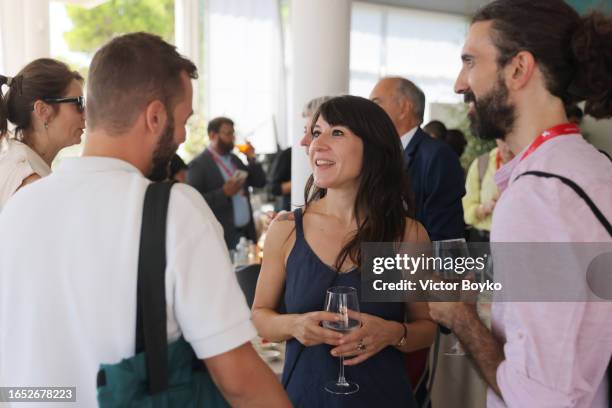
x: 342, y: 300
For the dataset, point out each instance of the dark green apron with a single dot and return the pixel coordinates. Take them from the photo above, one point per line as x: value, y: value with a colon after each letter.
x: 160, y: 374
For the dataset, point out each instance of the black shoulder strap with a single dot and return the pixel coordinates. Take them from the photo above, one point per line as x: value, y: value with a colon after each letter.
x: 151, y: 334
x: 605, y: 154
x: 598, y: 214
x: 299, y: 230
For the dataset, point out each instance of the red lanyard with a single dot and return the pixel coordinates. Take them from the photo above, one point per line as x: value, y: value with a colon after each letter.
x: 497, y: 160
x: 219, y: 161
x: 563, y: 129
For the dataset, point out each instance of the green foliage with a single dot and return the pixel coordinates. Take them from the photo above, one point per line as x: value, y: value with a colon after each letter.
x: 197, y: 138
x: 94, y: 27
x: 454, y: 116
x: 82, y: 69
x: 284, y: 11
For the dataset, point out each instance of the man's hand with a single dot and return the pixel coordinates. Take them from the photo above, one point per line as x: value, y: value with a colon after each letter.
x: 476, y: 339
x: 249, y: 152
x: 448, y: 313
x: 286, y: 187
x: 490, y: 206
x: 486, y: 209
x: 233, y: 186
x: 273, y: 215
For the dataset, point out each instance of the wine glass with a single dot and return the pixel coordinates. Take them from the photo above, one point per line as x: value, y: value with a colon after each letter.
x: 451, y: 248
x: 343, y: 301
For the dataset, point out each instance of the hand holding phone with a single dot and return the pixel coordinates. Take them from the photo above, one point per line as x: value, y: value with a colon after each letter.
x: 240, y: 175
x: 235, y: 183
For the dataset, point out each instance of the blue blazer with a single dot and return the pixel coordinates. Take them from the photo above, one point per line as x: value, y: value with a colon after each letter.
x: 438, y: 184
x: 204, y: 175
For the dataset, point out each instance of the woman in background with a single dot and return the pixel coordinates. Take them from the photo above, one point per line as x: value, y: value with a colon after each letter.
x: 307, y: 113
x: 45, y: 104
x: 358, y: 193
x: 481, y: 192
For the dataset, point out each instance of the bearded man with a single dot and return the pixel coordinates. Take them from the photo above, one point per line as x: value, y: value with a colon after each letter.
x: 522, y: 61
x: 215, y: 173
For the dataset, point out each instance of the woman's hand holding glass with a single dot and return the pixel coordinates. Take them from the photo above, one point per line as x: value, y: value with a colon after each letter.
x: 374, y: 335
x: 307, y: 329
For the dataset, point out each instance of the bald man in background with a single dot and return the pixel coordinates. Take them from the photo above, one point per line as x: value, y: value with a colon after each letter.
x: 435, y: 172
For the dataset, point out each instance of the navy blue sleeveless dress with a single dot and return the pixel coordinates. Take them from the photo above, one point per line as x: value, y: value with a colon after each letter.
x: 382, y: 378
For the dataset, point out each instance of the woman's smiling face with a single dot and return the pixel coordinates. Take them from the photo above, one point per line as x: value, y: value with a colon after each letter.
x: 336, y: 155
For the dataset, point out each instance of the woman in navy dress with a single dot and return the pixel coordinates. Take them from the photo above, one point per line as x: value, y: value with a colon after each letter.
x: 358, y: 193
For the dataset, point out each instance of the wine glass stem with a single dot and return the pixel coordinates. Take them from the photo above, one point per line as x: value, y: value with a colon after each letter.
x: 341, y: 379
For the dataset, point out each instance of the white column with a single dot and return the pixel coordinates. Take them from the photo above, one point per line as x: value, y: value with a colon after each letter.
x: 25, y: 32
x: 320, y: 45
x: 187, y: 35
x: 186, y: 28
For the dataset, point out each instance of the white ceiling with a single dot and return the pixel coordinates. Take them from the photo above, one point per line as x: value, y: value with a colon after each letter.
x: 461, y: 7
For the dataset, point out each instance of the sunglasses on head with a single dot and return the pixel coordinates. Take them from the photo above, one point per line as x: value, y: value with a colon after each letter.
x: 79, y: 101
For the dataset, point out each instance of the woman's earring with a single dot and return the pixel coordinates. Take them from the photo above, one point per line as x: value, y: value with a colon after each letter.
x: 46, y: 125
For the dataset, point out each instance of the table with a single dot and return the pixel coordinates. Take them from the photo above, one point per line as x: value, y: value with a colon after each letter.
x: 263, y: 348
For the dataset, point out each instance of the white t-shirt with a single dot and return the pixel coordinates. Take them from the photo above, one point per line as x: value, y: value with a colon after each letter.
x: 68, y: 271
x: 17, y: 162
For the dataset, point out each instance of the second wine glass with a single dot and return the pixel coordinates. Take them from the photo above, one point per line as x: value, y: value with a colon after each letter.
x: 451, y: 249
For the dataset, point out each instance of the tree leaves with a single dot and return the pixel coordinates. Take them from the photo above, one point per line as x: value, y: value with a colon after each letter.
x: 94, y: 27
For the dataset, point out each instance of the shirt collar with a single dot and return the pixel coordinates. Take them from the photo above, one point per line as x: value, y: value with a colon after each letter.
x: 89, y: 164
x: 407, y: 137
x: 510, y: 170
x: 39, y: 166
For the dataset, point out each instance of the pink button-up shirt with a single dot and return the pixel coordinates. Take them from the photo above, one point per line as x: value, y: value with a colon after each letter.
x: 556, y: 354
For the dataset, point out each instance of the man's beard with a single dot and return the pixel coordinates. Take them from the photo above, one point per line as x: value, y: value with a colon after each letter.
x: 225, y: 147
x: 164, y: 151
x: 493, y: 116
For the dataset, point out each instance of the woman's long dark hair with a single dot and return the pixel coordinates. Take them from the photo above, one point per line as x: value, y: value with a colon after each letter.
x: 384, y: 198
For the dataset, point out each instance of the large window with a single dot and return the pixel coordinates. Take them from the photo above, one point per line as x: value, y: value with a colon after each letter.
x: 244, y: 68
x: 422, y: 46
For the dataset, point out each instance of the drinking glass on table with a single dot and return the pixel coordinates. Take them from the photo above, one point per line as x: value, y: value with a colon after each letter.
x: 342, y: 300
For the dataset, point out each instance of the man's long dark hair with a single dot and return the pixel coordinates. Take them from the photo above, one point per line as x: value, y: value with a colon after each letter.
x: 384, y: 197
x: 573, y: 52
